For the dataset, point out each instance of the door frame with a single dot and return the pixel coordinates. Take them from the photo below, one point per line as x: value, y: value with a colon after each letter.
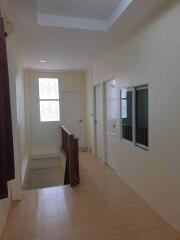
x: 105, y: 117
x: 100, y: 85
x: 104, y: 121
x: 104, y: 128
x: 94, y: 117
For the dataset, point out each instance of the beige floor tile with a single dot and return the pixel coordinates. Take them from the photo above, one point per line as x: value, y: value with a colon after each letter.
x: 102, y: 207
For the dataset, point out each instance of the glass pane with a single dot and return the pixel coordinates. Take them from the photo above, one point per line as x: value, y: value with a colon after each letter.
x: 127, y: 114
x: 142, y: 116
x: 124, y: 108
x: 49, y: 111
x: 48, y: 88
x: 124, y: 93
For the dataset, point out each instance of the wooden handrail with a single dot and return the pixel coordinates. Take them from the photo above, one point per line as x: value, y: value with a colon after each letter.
x: 71, y: 150
x: 65, y: 129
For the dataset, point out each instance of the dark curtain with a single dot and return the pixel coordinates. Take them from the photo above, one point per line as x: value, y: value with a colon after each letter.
x: 6, y: 137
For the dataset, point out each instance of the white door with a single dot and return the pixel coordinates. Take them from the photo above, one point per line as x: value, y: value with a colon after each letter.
x: 98, y: 121
x: 110, y: 99
x: 72, y: 113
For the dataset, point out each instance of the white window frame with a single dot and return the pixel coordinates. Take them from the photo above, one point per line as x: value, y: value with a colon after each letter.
x: 133, y: 142
x: 128, y: 89
x: 49, y: 100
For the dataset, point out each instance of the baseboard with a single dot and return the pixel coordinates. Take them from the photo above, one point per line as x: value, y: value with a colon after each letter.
x: 26, y: 177
x: 16, y: 189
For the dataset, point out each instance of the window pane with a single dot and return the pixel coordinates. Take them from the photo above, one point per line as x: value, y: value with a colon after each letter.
x: 48, y: 88
x: 49, y: 111
x: 124, y: 108
x: 142, y: 116
x: 127, y: 114
x: 124, y: 93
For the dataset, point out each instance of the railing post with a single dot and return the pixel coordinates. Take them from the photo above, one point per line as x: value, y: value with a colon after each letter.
x: 76, y: 153
x: 71, y: 151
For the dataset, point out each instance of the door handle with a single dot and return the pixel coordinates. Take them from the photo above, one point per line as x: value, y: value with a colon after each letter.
x: 114, y: 126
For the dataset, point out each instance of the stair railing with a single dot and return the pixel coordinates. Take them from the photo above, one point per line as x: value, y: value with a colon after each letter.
x: 70, y: 149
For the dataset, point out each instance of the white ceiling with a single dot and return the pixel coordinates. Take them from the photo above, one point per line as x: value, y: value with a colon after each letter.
x: 86, y: 15
x: 66, y: 48
x: 93, y: 9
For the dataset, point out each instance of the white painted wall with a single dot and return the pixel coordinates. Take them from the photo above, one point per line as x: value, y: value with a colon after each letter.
x: 16, y: 91
x: 151, y: 55
x: 21, y: 121
x: 45, y: 137
x: 13, y: 64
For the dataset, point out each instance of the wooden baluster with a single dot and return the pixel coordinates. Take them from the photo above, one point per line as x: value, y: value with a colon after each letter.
x: 72, y: 166
x: 76, y: 149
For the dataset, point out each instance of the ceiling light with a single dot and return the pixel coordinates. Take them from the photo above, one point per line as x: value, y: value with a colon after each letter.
x: 42, y: 61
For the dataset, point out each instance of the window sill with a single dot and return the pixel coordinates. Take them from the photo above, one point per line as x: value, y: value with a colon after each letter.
x: 136, y: 145
x: 50, y: 122
x: 127, y: 141
x: 142, y: 147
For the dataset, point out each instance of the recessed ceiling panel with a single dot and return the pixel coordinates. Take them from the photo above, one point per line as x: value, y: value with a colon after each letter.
x: 92, y: 9
x: 73, y: 49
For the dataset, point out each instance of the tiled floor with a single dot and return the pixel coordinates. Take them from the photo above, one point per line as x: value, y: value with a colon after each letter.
x: 101, y: 208
x: 46, y: 177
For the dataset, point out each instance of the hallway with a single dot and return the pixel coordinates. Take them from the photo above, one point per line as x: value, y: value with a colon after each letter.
x: 102, y: 207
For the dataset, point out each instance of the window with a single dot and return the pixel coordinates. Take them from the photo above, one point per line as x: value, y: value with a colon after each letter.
x: 126, y: 113
x: 134, y: 115
x: 49, y: 99
x: 141, y: 116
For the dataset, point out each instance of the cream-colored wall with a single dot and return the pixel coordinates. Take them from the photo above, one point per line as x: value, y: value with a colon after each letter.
x: 151, y: 56
x: 45, y: 137
x: 89, y: 110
